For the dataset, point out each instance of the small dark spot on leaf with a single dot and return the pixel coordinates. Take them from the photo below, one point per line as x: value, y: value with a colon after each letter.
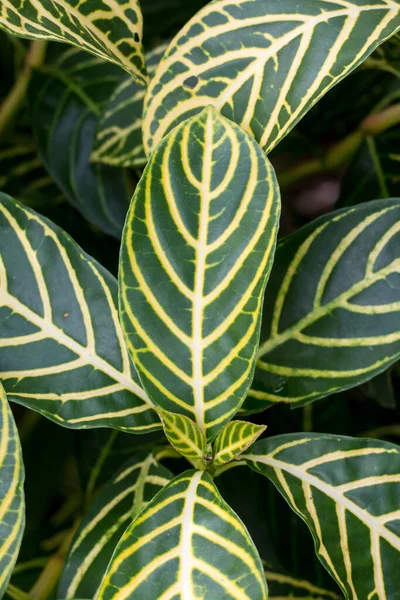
x: 191, y: 82
x: 136, y: 37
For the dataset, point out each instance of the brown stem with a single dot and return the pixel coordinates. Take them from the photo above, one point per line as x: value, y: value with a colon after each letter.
x: 13, y: 101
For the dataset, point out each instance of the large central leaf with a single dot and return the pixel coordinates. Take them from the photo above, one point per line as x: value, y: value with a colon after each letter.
x: 347, y: 491
x: 187, y: 543
x: 196, y: 253
x: 62, y: 351
x: 111, y: 29
x: 262, y: 63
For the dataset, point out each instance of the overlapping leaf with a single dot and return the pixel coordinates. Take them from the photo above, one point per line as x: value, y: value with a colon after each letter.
x: 111, y: 29
x: 185, y: 436
x: 234, y: 439
x: 187, y: 543
x: 263, y: 65
x: 196, y: 254
x: 12, y: 506
x: 66, y: 102
x: 61, y: 346
x: 119, y: 130
x: 282, y: 586
x: 347, y: 491
x: 106, y: 520
x: 332, y: 308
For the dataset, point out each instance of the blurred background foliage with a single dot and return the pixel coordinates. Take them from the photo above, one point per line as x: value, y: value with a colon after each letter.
x: 331, y: 159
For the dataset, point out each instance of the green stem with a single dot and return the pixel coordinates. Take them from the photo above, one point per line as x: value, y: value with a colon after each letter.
x: 382, y: 432
x: 377, y: 166
x: 16, y: 594
x: 344, y: 150
x: 12, y: 103
x: 35, y: 563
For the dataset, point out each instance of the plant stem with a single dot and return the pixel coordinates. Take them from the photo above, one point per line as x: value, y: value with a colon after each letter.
x: 344, y: 150
x: 13, y: 101
x: 17, y: 594
x: 51, y: 573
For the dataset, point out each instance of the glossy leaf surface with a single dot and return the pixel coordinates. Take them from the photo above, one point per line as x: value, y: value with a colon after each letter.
x: 119, y: 130
x: 106, y: 520
x: 187, y: 543
x: 331, y: 314
x: 66, y: 101
x: 234, y: 439
x: 185, y: 436
x: 12, y: 504
x: 263, y: 64
x: 196, y: 254
x: 111, y: 29
x: 61, y: 347
x: 347, y: 491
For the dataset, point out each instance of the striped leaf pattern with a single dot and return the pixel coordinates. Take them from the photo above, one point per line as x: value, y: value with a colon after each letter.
x: 12, y: 505
x: 347, y: 491
x: 332, y: 308
x: 61, y: 347
x: 196, y: 254
x: 119, y: 129
x: 185, y: 436
x: 186, y: 544
x: 263, y: 64
x: 66, y: 101
x: 106, y: 520
x: 282, y: 586
x: 234, y: 439
x: 111, y: 29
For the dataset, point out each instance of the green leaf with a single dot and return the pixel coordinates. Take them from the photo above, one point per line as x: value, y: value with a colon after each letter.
x: 185, y: 436
x: 263, y: 65
x: 111, y: 29
x: 187, y: 543
x: 12, y: 504
x: 61, y: 347
x: 119, y: 130
x: 381, y: 389
x: 234, y: 439
x: 117, y: 504
x: 196, y: 254
x: 331, y: 316
x: 347, y: 491
x: 282, y: 586
x: 66, y: 102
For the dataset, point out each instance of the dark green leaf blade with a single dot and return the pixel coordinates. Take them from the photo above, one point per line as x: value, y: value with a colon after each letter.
x: 61, y: 347
x: 186, y: 543
x: 196, y: 255
x: 347, y: 491
x: 333, y: 297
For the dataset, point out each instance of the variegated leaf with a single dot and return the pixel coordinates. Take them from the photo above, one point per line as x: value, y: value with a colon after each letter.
x: 119, y: 130
x: 111, y: 29
x: 282, y: 586
x: 12, y: 504
x: 332, y: 308
x: 196, y: 254
x: 348, y: 492
x: 61, y: 347
x: 234, y: 439
x: 187, y: 543
x: 263, y: 64
x: 185, y: 436
x: 118, y: 503
x: 66, y: 101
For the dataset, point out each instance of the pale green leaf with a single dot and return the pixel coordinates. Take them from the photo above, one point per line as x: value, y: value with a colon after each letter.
x: 196, y: 253
x: 111, y: 29
x: 332, y: 308
x: 119, y: 130
x: 66, y: 100
x: 263, y: 64
x: 185, y: 436
x: 187, y: 543
x: 106, y: 520
x: 12, y: 504
x: 347, y: 491
x: 62, y: 351
x: 234, y: 439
